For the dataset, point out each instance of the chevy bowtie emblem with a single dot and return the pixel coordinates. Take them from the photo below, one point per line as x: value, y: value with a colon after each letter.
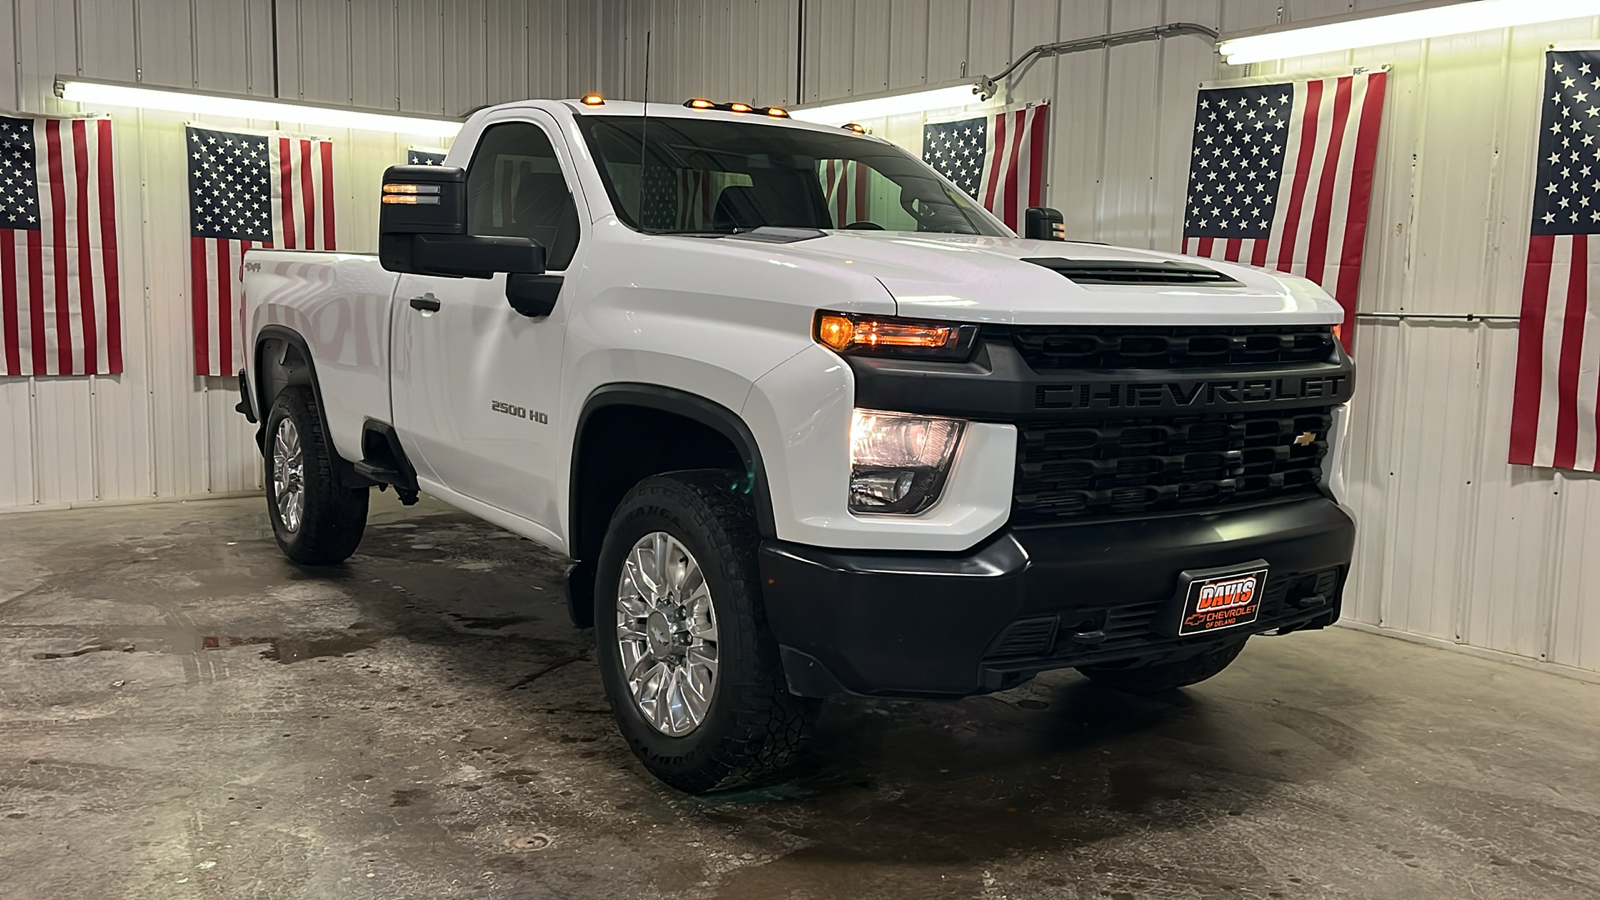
x: 1305, y: 438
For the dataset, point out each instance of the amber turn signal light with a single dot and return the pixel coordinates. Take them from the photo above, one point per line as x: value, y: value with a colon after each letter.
x: 739, y: 107
x: 858, y: 129
x: 779, y: 113
x: 593, y: 100
x: 882, y: 335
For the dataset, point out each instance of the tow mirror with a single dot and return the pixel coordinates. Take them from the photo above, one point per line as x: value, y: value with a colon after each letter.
x: 422, y: 229
x: 1042, y: 223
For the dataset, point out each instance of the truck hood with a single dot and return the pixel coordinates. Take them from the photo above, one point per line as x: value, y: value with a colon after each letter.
x: 984, y: 279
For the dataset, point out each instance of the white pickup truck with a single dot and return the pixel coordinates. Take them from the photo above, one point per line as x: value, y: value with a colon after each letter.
x: 799, y: 443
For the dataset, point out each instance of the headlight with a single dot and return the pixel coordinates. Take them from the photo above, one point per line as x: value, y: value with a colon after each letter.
x: 891, y: 336
x: 898, y: 462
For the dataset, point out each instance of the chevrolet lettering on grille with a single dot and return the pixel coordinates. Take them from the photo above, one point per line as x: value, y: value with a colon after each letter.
x: 1182, y: 394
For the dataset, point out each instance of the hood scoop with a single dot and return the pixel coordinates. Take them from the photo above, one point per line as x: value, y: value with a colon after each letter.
x: 1140, y: 272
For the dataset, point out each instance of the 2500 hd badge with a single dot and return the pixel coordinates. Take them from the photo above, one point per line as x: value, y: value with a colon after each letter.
x: 519, y: 412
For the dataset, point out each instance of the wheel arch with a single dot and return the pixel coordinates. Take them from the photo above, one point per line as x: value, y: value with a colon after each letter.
x: 672, y: 402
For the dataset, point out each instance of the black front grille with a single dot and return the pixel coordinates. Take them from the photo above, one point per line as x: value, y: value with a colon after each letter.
x: 1048, y: 348
x: 1113, y: 466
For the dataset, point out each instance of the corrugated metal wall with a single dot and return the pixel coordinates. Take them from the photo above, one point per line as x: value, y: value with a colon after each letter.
x: 1456, y: 545
x: 157, y: 430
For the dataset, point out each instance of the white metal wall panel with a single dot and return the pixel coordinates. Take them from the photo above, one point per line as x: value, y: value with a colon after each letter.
x: 374, y: 76
x: 1077, y: 122
x: 465, y: 80
x: 947, y: 39
x: 224, y: 46
x: 506, y: 62
x: 869, y: 43
x: 420, y: 27
x: 1033, y: 22
x: 1130, y: 129
x: 989, y: 36
x: 908, y: 43
x: 323, y: 50
x: 106, y: 46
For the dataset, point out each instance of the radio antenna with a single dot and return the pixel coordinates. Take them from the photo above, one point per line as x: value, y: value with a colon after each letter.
x: 644, y: 124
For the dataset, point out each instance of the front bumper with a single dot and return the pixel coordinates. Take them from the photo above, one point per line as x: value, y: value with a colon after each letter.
x: 1031, y: 599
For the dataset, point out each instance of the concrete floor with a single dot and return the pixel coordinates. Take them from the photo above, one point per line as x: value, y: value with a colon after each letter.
x: 184, y: 714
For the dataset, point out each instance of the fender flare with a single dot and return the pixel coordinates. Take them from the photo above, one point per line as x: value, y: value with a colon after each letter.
x: 694, y: 407
x: 264, y: 403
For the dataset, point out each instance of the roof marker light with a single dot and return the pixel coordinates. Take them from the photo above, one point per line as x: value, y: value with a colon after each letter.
x: 739, y: 107
x: 777, y: 112
x: 858, y: 129
x: 698, y: 103
x: 593, y: 100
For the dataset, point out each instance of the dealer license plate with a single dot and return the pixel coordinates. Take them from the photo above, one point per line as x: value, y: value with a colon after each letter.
x: 1215, y: 599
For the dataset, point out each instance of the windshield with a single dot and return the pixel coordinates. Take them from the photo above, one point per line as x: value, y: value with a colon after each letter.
x: 715, y: 176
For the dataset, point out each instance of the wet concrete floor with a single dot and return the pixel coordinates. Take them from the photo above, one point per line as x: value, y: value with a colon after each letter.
x: 184, y: 714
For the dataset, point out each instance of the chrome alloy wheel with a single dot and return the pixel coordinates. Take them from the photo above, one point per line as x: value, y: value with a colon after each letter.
x: 667, y: 633
x: 289, y: 475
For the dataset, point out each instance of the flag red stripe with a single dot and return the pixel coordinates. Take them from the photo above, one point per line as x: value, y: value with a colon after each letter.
x: 1322, y: 218
x: 308, y: 195
x: 1013, y: 159
x: 1036, y: 157
x: 108, y: 250
x: 1302, y: 174
x: 58, y: 256
x: 200, y: 305
x: 286, y: 189
x: 36, y: 295
x: 1571, y: 355
x: 8, y: 301
x: 1530, y: 350
x: 1355, y: 228
x: 80, y: 168
x: 1258, y: 256
x: 327, y: 194
x: 998, y: 141
x: 1232, y: 250
x: 224, y: 309
x: 1205, y: 246
x: 860, y: 180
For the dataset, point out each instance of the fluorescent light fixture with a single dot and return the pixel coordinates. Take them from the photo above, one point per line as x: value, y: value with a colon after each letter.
x: 102, y: 93
x: 889, y: 105
x: 1413, y: 24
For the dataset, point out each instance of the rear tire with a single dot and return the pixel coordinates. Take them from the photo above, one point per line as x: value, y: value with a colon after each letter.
x: 705, y: 605
x: 316, y: 520
x: 1163, y: 677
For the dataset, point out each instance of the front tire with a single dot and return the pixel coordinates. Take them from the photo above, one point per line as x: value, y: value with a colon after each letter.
x: 691, y: 670
x: 1163, y: 677
x: 316, y: 520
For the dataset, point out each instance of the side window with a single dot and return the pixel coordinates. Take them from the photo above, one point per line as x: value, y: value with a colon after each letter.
x: 515, y: 187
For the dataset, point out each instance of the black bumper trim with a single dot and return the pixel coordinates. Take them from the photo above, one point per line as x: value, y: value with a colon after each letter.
x: 924, y: 624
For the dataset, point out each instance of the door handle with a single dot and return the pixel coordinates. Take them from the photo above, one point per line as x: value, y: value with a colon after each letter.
x: 427, y: 303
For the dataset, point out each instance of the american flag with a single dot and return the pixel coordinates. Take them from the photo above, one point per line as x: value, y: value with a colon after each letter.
x: 1554, y: 406
x: 60, y: 300
x: 247, y: 190
x: 1279, y: 176
x: 422, y: 156
x: 998, y: 160
x: 677, y: 199
x: 845, y: 185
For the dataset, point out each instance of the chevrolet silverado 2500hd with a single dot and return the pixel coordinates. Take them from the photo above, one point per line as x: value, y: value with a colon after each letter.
x: 799, y: 446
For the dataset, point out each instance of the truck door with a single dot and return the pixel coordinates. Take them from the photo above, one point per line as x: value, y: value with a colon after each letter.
x: 476, y: 384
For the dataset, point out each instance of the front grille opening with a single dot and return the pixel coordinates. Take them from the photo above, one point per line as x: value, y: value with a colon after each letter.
x: 1048, y: 348
x: 1125, y: 467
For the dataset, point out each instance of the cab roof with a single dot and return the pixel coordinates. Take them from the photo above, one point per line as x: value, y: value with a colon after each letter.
x: 669, y: 110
